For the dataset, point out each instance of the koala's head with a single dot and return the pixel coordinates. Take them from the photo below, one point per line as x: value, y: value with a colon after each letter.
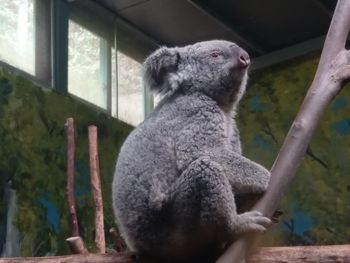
x: 216, y: 68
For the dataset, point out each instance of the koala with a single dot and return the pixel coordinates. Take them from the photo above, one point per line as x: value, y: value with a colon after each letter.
x: 178, y: 172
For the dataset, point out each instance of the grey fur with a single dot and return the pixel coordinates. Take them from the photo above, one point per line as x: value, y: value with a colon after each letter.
x: 179, y: 171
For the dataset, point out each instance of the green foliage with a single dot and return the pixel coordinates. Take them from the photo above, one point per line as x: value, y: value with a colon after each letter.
x: 33, y: 156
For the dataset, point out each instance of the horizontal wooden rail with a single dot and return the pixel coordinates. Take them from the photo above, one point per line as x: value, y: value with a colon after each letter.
x: 309, y: 254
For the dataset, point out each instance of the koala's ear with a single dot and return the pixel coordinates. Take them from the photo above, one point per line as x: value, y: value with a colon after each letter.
x: 157, y: 67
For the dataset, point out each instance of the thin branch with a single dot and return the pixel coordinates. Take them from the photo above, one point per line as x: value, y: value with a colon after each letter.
x: 310, y: 153
x: 327, y: 83
x: 96, y: 190
x: 70, y: 176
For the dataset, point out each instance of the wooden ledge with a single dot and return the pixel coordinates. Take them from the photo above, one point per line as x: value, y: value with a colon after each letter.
x: 309, y: 254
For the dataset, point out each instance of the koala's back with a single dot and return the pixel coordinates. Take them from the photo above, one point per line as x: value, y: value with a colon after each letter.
x: 178, y: 173
x: 146, y: 170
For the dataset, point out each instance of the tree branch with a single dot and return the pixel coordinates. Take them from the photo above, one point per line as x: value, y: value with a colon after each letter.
x: 96, y: 190
x: 70, y: 176
x: 329, y: 79
x: 75, y: 243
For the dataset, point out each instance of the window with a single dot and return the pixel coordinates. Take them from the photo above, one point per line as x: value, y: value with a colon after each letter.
x: 130, y: 90
x: 17, y: 34
x: 85, y: 65
x: 68, y: 44
x: 90, y: 61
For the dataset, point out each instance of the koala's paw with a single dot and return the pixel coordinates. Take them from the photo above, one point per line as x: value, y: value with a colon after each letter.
x: 253, y: 221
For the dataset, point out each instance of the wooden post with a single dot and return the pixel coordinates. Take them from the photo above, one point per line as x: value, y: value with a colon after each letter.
x: 70, y: 176
x: 306, y: 254
x: 96, y: 190
x: 333, y: 69
x: 76, y: 245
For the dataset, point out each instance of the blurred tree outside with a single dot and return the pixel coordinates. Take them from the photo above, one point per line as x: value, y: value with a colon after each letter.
x: 17, y: 33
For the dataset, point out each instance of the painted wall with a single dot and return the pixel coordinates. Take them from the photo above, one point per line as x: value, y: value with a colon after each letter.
x: 317, y: 207
x: 33, y: 158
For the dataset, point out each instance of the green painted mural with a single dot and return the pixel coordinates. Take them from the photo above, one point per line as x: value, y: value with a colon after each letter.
x: 33, y: 158
x: 317, y: 207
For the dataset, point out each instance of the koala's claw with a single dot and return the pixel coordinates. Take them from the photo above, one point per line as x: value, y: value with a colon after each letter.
x: 254, y: 221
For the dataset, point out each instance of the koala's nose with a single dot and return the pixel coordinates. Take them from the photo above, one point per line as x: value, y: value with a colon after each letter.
x: 243, y: 59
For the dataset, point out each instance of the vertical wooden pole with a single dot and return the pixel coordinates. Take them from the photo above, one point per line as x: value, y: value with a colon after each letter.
x: 76, y: 245
x: 96, y: 190
x: 70, y: 176
x: 75, y: 242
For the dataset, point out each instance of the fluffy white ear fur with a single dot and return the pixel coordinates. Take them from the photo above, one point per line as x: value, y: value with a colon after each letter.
x: 177, y: 78
x: 159, y: 70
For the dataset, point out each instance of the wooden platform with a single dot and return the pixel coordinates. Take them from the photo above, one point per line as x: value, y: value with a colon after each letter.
x: 309, y: 254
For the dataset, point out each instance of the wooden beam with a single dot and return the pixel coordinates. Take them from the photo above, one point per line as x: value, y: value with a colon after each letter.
x: 309, y: 254
x: 288, y: 53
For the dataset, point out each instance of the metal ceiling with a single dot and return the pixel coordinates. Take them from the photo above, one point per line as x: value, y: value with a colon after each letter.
x: 261, y: 27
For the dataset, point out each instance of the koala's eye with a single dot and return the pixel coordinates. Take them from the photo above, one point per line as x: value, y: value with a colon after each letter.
x: 215, y: 54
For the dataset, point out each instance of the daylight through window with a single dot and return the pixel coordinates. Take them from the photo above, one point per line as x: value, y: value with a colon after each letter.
x: 130, y: 90
x: 84, y: 66
x: 17, y: 34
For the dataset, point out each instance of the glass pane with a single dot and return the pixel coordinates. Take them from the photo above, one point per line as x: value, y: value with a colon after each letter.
x: 17, y: 34
x: 130, y: 94
x: 85, y: 76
